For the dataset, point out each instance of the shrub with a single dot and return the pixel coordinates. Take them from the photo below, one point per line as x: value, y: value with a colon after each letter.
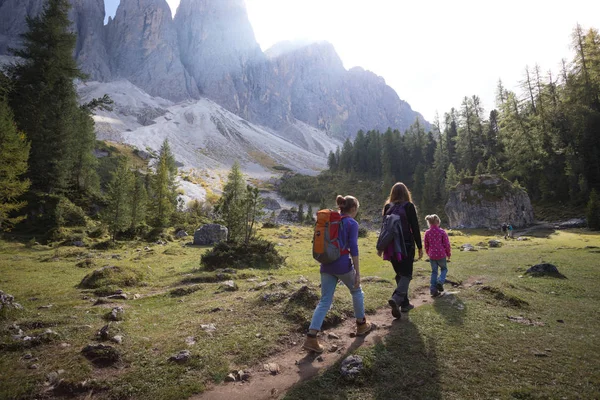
x: 97, y: 232
x: 68, y: 214
x: 363, y: 232
x: 270, y: 225
x: 258, y: 253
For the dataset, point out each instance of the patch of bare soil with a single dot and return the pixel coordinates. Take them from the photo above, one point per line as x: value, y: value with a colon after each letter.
x: 296, y: 365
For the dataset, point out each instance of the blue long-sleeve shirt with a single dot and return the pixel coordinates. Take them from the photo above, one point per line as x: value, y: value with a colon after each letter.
x: 349, y: 238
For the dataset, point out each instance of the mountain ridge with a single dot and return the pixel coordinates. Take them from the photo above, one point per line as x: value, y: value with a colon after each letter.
x: 209, y: 50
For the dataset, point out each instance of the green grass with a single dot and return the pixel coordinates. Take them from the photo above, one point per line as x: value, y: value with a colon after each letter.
x: 442, y: 352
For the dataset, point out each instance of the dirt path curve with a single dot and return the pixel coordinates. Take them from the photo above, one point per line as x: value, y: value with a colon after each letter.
x: 297, y: 365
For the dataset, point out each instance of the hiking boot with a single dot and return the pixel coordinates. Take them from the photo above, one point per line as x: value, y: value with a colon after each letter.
x: 435, y: 293
x: 439, y: 287
x: 395, y: 310
x: 312, y: 344
x: 407, y: 308
x: 362, y: 328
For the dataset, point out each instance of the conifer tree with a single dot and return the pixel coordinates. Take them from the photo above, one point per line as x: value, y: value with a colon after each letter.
x: 231, y: 205
x: 593, y: 211
x: 310, y: 214
x: 451, y: 177
x: 139, y: 201
x: 300, y: 212
x: 14, y: 152
x: 117, y: 214
x: 254, y: 210
x: 164, y: 188
x: 44, y: 99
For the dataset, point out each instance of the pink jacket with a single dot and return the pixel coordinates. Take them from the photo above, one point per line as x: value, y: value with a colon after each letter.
x: 437, y: 244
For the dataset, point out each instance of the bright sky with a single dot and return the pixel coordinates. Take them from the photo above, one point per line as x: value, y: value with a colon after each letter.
x: 432, y: 52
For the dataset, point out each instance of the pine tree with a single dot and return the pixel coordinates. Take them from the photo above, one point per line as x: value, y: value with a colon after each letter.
x: 310, y: 214
x: 164, y: 188
x: 593, y: 211
x: 139, y: 201
x: 254, y: 210
x: 117, y: 214
x: 451, y: 178
x: 300, y: 212
x: 480, y: 170
x: 44, y: 98
x: 14, y: 152
x: 231, y: 205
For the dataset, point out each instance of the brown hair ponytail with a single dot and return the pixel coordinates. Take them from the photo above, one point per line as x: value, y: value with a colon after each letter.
x: 347, y: 203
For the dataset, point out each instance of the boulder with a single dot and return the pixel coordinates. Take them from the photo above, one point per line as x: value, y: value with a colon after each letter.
x: 210, y: 234
x: 116, y: 314
x: 182, y: 357
x: 488, y: 201
x: 7, y: 302
x: 287, y: 216
x: 495, y: 243
x: 573, y: 223
x: 181, y: 234
x: 271, y: 204
x: 351, y: 367
x: 544, y: 269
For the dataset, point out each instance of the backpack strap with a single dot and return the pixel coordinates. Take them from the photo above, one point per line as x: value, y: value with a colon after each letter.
x: 343, y: 251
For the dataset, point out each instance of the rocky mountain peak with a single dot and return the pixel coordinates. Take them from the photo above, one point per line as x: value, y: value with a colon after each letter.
x: 142, y: 43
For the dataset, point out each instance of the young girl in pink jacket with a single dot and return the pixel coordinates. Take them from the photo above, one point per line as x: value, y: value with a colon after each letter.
x: 437, y: 247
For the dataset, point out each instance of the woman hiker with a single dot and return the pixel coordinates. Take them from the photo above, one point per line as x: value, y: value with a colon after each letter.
x: 400, y: 203
x: 346, y: 269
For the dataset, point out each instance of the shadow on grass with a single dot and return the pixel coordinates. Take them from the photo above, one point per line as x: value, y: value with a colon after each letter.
x: 451, y: 308
x: 401, y: 365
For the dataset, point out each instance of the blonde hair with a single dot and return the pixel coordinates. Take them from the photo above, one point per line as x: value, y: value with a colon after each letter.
x: 398, y: 194
x: 347, y: 203
x: 433, y: 219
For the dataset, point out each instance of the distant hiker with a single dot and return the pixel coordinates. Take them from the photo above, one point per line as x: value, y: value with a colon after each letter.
x: 400, y: 203
x: 504, y: 230
x: 510, y: 231
x: 437, y: 247
x: 345, y: 268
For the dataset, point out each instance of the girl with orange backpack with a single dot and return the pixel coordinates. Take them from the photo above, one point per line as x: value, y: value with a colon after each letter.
x: 346, y: 268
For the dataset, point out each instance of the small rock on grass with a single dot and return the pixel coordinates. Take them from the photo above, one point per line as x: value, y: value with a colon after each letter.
x: 272, y: 368
x: 182, y: 357
x: 230, y: 378
x: 118, y: 339
x: 352, y: 366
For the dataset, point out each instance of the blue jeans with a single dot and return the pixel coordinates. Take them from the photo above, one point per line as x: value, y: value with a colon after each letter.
x: 441, y: 263
x: 328, y: 285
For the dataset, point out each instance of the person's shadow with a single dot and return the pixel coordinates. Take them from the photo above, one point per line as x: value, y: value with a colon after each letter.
x: 401, y: 365
x: 451, y: 308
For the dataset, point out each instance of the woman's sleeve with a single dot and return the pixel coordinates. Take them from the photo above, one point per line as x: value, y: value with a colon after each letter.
x: 353, y: 238
x: 413, y: 221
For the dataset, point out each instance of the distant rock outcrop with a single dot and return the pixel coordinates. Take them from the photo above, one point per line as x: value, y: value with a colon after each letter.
x: 88, y: 24
x: 210, y: 51
x: 218, y: 46
x: 142, y: 43
x: 488, y: 201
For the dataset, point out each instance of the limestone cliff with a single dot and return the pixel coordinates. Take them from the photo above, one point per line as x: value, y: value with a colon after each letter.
x: 488, y: 201
x: 142, y: 44
x: 88, y: 24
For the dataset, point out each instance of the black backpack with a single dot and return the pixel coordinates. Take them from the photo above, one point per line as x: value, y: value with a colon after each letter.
x: 393, y: 229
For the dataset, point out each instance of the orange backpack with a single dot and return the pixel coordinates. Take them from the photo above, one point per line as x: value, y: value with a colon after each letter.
x: 326, y: 240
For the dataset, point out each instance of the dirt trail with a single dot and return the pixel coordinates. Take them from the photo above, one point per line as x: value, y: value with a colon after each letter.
x: 297, y: 365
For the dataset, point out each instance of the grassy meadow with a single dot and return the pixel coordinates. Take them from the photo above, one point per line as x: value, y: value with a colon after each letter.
x: 460, y: 346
